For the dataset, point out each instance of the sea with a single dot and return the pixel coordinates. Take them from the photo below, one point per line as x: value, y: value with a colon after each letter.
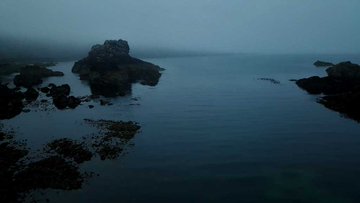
x: 213, y: 131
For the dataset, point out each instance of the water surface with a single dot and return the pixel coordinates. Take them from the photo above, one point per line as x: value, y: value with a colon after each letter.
x: 213, y: 132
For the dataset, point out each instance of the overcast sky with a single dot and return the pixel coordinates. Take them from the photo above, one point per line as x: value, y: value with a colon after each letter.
x: 271, y: 26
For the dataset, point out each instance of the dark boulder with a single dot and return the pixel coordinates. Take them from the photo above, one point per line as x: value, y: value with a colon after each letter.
x: 45, y: 90
x: 31, y: 94
x: 110, y: 69
x: 61, y: 102
x: 73, y: 102
x: 62, y: 90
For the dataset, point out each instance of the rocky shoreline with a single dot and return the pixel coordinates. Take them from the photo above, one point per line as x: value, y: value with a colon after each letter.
x: 110, y: 71
x: 57, y: 165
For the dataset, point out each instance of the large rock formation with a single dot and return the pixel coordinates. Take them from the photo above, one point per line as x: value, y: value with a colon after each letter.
x: 110, y: 70
x: 341, y: 88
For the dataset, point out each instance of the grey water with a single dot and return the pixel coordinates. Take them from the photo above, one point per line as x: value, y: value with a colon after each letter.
x: 212, y: 132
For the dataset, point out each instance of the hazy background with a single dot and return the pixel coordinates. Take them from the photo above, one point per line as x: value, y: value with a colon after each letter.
x: 67, y: 28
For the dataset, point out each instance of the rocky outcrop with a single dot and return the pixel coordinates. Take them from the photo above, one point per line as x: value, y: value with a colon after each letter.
x: 344, y: 70
x: 323, y: 64
x: 12, y: 99
x: 33, y: 75
x: 110, y: 70
x: 341, y: 88
x: 61, y: 99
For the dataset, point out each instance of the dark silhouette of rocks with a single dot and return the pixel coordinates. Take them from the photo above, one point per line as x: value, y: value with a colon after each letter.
x: 323, y: 64
x: 31, y: 94
x: 110, y: 69
x: 344, y: 70
x: 11, y: 102
x: 57, y: 166
x: 32, y: 75
x: 341, y: 89
x: 61, y: 99
x: 273, y: 81
x: 12, y: 99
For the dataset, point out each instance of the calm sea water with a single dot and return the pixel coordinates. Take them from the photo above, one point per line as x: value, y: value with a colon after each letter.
x: 213, y: 132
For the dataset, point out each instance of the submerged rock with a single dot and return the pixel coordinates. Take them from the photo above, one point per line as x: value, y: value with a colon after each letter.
x: 33, y: 75
x: 110, y: 69
x: 323, y: 64
x: 70, y: 149
x: 270, y: 80
x: 57, y: 166
x: 341, y: 88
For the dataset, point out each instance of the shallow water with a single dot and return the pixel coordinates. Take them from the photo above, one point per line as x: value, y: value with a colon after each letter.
x: 211, y: 132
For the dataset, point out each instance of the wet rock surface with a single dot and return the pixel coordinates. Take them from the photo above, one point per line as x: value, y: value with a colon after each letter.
x: 110, y: 69
x: 57, y: 166
x: 341, y: 89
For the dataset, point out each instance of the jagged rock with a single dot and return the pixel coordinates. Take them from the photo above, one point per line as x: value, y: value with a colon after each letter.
x: 33, y: 75
x: 323, y: 64
x: 110, y: 69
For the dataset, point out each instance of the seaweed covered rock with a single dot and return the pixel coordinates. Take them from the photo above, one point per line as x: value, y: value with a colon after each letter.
x: 110, y: 69
x: 341, y: 88
x: 32, y: 75
x: 70, y: 149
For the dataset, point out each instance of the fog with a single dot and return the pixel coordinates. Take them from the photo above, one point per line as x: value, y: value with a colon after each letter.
x: 242, y: 26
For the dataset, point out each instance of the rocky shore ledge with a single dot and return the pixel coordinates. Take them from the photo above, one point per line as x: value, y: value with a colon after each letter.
x: 340, y: 89
x: 110, y: 70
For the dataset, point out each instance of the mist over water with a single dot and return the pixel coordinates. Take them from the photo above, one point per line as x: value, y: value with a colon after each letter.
x: 224, y: 121
x: 322, y: 26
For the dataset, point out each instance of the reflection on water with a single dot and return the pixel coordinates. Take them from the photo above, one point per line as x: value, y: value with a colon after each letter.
x: 211, y: 131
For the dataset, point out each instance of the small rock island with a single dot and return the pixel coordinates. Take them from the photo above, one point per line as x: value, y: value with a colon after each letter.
x: 111, y: 71
x: 341, y: 89
x: 323, y: 64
